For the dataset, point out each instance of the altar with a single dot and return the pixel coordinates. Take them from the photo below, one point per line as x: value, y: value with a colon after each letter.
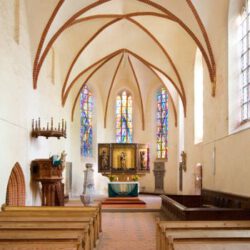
x: 123, y: 189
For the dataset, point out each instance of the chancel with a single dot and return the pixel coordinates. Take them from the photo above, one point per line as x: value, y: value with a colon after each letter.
x: 119, y: 117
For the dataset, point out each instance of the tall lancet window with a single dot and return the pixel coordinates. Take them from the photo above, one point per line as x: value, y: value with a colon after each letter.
x: 198, y: 98
x: 162, y: 124
x: 124, y: 127
x: 86, y: 103
x: 245, y: 63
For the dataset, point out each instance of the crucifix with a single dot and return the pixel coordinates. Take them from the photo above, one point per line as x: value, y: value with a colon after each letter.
x: 182, y: 166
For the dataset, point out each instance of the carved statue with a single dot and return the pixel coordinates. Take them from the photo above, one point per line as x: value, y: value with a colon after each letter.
x: 198, y: 178
x: 123, y: 160
x: 104, y: 160
x: 184, y: 160
x: 63, y: 159
x: 143, y: 160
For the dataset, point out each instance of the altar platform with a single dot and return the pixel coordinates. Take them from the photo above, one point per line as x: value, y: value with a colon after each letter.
x: 152, y: 204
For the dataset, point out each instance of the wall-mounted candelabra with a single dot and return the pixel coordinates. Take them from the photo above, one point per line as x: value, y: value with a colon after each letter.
x: 50, y: 130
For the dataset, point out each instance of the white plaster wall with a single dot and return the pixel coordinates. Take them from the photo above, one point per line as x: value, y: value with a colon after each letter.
x: 19, y: 104
x: 228, y: 171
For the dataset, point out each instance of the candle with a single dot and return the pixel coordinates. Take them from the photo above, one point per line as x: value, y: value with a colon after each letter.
x: 51, y: 123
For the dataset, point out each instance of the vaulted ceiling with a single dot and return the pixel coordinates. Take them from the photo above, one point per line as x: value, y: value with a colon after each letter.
x: 107, y: 38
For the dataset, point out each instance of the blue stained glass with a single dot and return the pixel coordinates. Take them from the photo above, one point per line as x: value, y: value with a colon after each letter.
x: 162, y: 124
x: 124, y: 118
x: 86, y: 132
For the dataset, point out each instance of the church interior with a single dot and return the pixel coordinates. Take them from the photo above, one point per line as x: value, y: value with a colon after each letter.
x: 120, y: 102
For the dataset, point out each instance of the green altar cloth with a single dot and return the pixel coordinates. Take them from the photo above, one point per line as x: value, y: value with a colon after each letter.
x: 123, y: 189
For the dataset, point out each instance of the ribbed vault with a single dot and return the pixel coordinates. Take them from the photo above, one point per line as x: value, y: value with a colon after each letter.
x: 148, y: 35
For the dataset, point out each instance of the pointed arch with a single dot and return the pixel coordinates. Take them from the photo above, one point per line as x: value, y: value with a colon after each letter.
x: 15, y: 195
x: 139, y: 26
x: 208, y: 57
x: 147, y: 64
x: 136, y: 56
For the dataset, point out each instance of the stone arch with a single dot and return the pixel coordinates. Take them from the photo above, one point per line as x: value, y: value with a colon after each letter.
x: 15, y: 195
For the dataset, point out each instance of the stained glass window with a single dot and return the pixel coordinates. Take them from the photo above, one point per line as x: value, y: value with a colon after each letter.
x: 124, y: 126
x: 86, y: 104
x: 162, y: 124
x: 245, y: 63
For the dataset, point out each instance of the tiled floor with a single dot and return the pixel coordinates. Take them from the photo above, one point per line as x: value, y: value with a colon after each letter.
x: 130, y: 228
x: 128, y: 231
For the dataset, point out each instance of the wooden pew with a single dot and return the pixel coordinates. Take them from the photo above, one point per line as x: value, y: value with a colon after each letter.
x: 60, y: 220
x: 42, y: 244
x: 73, y: 238
x: 208, y: 239
x: 163, y: 226
x: 219, y: 244
x: 57, y: 212
x: 51, y: 227
x: 94, y: 208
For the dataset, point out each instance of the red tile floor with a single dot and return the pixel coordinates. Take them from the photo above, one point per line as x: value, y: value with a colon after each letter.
x: 128, y: 231
x: 127, y: 227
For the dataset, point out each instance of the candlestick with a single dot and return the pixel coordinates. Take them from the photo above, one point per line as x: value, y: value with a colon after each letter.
x: 48, y: 130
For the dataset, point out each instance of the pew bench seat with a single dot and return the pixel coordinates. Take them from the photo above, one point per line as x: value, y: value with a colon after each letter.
x: 62, y: 222
x: 163, y: 226
x: 206, y: 239
x: 26, y: 236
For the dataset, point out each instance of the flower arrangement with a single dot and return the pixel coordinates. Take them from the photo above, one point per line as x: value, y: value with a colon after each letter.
x: 135, y: 177
x: 112, y: 177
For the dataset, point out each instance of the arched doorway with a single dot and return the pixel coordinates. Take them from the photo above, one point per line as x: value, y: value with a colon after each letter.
x: 16, y: 187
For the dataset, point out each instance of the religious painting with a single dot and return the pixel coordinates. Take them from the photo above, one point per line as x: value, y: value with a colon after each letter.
x: 143, y: 157
x: 104, y: 157
x: 123, y: 158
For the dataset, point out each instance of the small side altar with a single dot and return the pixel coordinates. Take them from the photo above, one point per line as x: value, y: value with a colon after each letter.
x: 123, y: 189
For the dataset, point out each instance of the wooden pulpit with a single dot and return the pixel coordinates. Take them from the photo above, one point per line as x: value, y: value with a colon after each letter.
x: 50, y: 176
